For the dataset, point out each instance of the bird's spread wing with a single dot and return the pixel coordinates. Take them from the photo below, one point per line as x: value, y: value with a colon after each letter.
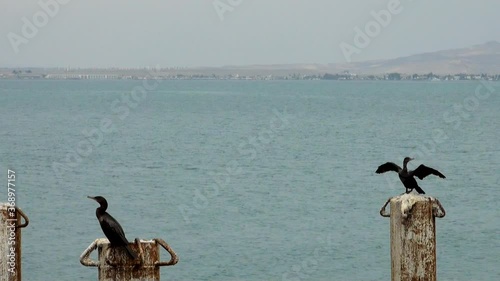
x: 389, y: 166
x: 423, y: 171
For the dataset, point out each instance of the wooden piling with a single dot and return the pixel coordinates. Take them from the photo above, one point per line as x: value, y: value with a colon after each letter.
x: 114, y: 264
x: 10, y: 241
x: 413, y: 236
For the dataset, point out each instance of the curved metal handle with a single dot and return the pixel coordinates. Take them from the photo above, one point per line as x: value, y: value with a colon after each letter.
x: 26, y: 220
x: 84, y: 257
x: 382, y: 211
x: 173, y: 256
x: 438, y: 213
x: 141, y: 252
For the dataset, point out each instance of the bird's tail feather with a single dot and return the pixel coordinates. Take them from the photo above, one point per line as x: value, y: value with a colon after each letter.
x: 419, y: 190
x: 131, y: 253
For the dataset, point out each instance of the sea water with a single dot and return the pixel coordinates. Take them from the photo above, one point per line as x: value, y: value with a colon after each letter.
x: 251, y: 180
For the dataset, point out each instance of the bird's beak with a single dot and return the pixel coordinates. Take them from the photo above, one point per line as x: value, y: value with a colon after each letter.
x: 90, y: 197
x: 411, y: 159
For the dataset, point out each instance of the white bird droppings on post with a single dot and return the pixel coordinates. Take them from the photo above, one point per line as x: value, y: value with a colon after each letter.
x: 408, y: 200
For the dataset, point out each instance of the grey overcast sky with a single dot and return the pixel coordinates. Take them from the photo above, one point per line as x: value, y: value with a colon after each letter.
x: 126, y: 33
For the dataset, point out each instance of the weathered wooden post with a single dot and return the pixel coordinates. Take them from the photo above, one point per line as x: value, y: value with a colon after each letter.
x: 116, y: 265
x: 413, y: 236
x: 10, y: 241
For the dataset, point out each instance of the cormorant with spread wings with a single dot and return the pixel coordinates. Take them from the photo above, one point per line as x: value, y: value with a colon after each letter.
x: 407, y: 177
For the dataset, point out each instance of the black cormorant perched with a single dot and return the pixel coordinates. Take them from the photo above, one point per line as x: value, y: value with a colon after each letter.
x: 407, y: 177
x: 111, y: 227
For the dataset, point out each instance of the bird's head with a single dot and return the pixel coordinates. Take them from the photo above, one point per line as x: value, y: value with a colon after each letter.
x: 406, y: 160
x: 99, y: 199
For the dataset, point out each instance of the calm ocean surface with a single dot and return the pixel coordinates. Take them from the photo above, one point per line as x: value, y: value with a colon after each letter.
x: 251, y: 180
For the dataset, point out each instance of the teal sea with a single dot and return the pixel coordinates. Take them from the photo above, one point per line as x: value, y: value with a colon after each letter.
x: 251, y: 180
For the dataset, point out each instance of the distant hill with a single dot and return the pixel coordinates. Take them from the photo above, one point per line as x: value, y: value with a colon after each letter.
x: 484, y: 58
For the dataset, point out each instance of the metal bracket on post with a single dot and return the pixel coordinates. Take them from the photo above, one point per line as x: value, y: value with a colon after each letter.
x: 24, y: 216
x: 438, y: 212
x: 85, y: 256
x: 141, y: 252
x: 173, y: 256
x: 382, y: 210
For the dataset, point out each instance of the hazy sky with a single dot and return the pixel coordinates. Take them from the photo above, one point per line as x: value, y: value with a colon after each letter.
x: 125, y: 33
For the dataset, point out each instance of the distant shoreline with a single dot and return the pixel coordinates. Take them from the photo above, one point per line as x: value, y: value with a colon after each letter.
x: 194, y: 74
